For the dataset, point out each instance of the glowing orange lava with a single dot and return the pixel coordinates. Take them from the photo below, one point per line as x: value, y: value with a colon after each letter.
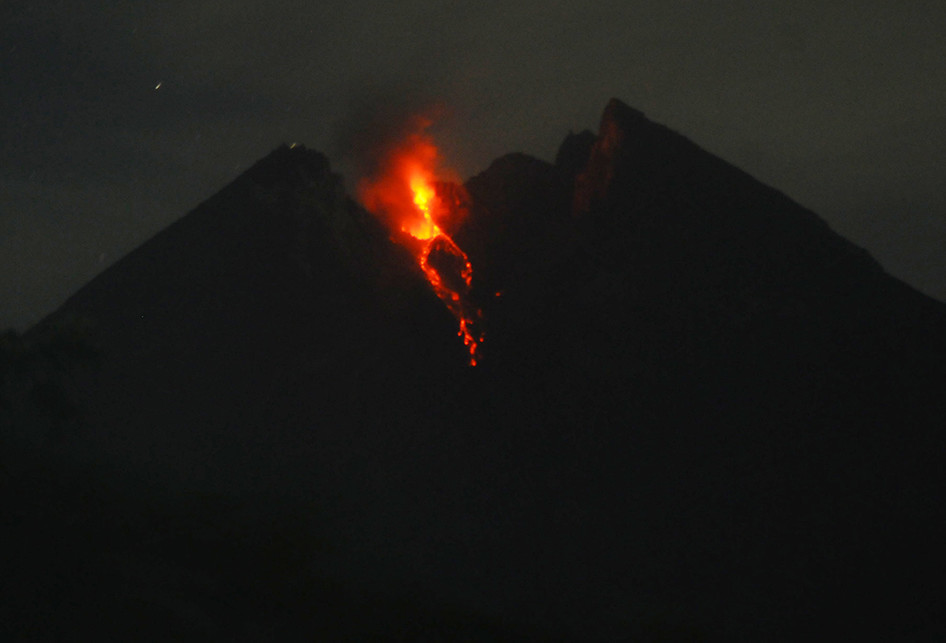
x: 403, y: 194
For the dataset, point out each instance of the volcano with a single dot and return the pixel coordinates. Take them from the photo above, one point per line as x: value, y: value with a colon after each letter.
x: 698, y: 413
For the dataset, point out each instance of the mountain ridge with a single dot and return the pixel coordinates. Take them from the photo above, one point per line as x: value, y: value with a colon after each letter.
x: 697, y: 406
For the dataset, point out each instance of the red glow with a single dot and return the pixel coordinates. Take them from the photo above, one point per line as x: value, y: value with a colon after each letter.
x: 404, y: 195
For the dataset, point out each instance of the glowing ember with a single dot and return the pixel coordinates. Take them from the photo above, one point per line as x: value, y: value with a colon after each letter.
x: 402, y: 194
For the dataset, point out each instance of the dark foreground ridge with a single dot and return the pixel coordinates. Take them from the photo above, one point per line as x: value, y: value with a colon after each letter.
x: 700, y: 414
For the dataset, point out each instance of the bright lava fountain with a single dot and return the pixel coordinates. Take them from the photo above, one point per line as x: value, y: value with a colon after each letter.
x: 404, y: 195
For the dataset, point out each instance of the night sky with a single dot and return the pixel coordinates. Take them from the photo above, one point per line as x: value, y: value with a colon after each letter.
x: 119, y: 117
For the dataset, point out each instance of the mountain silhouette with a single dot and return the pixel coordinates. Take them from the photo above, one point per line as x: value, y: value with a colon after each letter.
x: 699, y: 414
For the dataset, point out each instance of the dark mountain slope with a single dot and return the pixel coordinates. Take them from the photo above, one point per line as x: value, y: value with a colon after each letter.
x: 762, y: 365
x: 692, y: 224
x: 210, y: 325
x: 675, y: 245
x: 700, y: 413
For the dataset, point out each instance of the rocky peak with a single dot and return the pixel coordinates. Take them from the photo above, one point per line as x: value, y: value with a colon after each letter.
x: 573, y: 153
x: 617, y: 121
x: 629, y: 150
x: 289, y: 165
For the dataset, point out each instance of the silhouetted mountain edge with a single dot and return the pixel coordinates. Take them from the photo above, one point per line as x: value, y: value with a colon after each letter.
x: 699, y: 413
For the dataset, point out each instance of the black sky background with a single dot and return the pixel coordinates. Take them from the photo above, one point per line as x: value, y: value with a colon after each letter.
x: 839, y: 105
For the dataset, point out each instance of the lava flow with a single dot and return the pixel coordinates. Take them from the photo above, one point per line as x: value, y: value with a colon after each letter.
x: 403, y: 193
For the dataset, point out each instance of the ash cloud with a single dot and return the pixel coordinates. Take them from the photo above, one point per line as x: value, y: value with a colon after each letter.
x: 377, y: 122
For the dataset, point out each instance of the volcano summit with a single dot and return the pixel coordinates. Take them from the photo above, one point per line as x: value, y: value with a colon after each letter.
x: 698, y: 413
